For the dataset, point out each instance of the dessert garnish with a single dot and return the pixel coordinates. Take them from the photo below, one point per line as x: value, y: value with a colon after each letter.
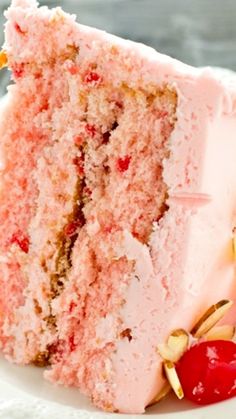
x: 201, y: 365
x: 3, y: 59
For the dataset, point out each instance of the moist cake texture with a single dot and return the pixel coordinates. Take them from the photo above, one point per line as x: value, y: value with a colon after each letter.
x: 117, y: 204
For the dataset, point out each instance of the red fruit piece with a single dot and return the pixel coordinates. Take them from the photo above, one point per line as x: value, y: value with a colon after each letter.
x: 91, y: 130
x: 79, y: 163
x: 72, y: 306
x: 207, y: 372
x: 18, y: 70
x: 72, y: 344
x: 44, y: 106
x: 18, y: 28
x: 123, y: 164
x: 71, y: 228
x: 108, y: 228
x: 21, y: 240
x: 93, y: 78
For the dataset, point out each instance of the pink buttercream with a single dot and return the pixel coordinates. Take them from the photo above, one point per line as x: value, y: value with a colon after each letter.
x: 194, y: 276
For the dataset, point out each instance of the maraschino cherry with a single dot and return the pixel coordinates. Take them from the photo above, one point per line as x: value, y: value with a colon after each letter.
x: 207, y: 371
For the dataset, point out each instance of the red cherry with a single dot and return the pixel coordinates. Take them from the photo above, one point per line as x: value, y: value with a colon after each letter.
x: 72, y: 306
x: 71, y: 228
x: 18, y: 28
x: 123, y: 164
x: 207, y: 372
x: 79, y: 163
x: 72, y: 344
x: 18, y: 70
x: 21, y: 240
x: 93, y: 78
x: 91, y: 130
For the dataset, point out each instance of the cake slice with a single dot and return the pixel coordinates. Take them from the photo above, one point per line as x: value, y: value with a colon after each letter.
x: 117, y: 204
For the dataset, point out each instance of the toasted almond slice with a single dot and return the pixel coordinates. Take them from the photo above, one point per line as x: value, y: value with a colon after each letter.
x: 175, y: 347
x: 167, y: 353
x: 221, y: 332
x: 163, y: 393
x: 234, y: 244
x: 3, y: 59
x: 173, y: 378
x: 178, y: 342
x: 212, y: 316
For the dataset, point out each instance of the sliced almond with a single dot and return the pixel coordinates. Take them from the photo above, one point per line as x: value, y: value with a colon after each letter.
x: 212, y: 316
x: 221, y: 332
x: 175, y: 347
x: 178, y: 341
x: 3, y: 59
x: 173, y: 379
x: 163, y: 393
x: 234, y: 244
x: 165, y: 352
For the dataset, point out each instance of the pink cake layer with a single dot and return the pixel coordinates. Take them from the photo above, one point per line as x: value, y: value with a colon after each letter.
x: 117, y: 204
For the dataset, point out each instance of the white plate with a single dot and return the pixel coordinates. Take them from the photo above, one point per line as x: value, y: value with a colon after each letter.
x: 24, y: 394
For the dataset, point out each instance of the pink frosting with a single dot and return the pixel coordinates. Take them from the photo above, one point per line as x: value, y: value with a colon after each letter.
x: 189, y: 264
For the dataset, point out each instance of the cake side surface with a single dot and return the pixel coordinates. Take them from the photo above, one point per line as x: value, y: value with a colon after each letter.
x: 109, y: 203
x: 194, y: 276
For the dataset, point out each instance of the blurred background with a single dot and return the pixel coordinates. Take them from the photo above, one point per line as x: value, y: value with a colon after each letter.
x: 198, y: 32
